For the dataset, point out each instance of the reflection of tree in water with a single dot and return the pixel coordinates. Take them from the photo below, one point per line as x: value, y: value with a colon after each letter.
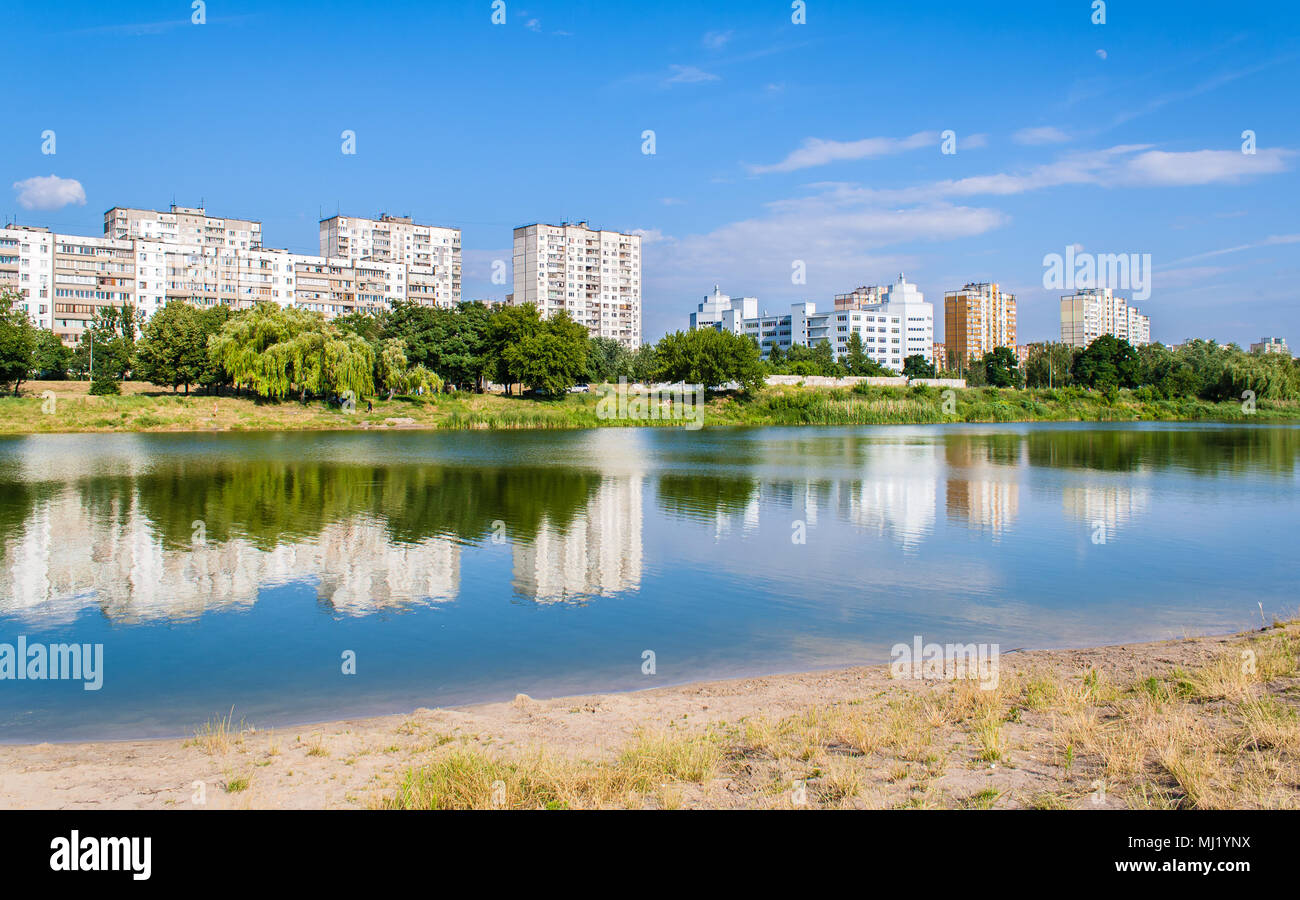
x: 999, y: 449
x: 702, y: 496
x: 17, y: 500
x: 1205, y: 451
x: 272, y: 502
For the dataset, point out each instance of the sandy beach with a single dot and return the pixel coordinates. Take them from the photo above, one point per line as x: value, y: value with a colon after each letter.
x: 1200, y: 722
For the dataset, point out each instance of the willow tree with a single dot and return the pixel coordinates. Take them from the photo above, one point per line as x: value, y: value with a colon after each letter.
x: 275, y: 351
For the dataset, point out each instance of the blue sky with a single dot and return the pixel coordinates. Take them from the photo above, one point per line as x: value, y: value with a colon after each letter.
x: 774, y: 141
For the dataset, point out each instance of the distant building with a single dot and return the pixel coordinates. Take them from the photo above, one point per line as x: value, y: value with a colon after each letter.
x: 940, y: 354
x: 593, y: 275
x: 881, y: 333
x: 1271, y: 345
x: 431, y: 253
x: 1089, y: 313
x: 976, y: 320
x: 723, y: 313
x: 1022, y: 354
x: 900, y: 299
x: 149, y: 258
x: 182, y: 225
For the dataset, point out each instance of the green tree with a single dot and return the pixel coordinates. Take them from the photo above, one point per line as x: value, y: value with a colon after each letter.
x: 509, y: 327
x: 855, y: 356
x: 1000, y: 368
x: 52, y: 357
x: 391, y: 367
x: 607, y: 361
x: 1049, y: 365
x: 710, y: 358
x: 18, y: 341
x: 274, y: 350
x: 552, y: 359
x: 917, y: 366
x: 645, y: 362
x: 110, y: 340
x: 1107, y: 363
x: 173, y: 350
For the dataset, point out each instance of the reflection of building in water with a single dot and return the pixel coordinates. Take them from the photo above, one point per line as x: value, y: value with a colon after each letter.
x: 598, y: 554
x: 983, y: 485
x: 66, y: 558
x: 901, y: 496
x: 1106, y: 506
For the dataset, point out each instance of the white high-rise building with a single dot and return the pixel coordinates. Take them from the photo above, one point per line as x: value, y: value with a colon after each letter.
x: 27, y: 269
x: 720, y: 312
x: 804, y: 326
x: 430, y: 252
x: 900, y: 299
x: 1089, y: 313
x: 594, y: 276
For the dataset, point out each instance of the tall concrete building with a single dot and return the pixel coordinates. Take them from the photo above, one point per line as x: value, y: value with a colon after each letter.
x: 1271, y: 345
x: 977, y: 319
x: 182, y: 225
x: 804, y: 326
x: 148, y: 258
x: 431, y: 253
x: 723, y: 313
x: 27, y: 270
x: 900, y: 299
x: 1089, y: 313
x: 593, y: 275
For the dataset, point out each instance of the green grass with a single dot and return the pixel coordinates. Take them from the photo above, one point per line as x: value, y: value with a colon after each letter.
x: 144, y: 408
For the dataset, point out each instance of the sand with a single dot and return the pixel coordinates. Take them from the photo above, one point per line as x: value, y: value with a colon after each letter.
x: 357, y: 763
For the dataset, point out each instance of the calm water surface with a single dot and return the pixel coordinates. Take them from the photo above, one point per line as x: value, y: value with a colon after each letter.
x: 236, y: 570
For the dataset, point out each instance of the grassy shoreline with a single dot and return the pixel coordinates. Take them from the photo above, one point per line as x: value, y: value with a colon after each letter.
x: 146, y: 408
x: 1192, y: 723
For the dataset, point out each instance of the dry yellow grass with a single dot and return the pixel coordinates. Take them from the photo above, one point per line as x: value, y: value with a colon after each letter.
x: 1224, y: 733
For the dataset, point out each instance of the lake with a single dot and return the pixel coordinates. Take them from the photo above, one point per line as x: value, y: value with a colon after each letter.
x: 247, y: 570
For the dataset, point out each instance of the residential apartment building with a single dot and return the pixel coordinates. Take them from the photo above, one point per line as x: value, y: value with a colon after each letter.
x: 89, y: 273
x: 593, y: 275
x: 1271, y: 345
x: 902, y: 299
x: 148, y: 258
x: 182, y: 225
x: 1089, y: 313
x: 27, y: 270
x: 976, y: 320
x: 431, y: 253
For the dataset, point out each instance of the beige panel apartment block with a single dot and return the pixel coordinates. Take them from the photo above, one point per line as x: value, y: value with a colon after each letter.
x: 594, y: 276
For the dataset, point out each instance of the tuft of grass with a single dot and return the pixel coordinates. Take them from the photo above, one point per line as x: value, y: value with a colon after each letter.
x: 218, y: 735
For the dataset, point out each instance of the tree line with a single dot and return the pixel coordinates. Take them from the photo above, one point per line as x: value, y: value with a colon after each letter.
x: 275, y: 353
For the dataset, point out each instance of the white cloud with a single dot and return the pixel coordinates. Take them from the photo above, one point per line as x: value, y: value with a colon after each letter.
x: 49, y: 192
x: 1122, y: 166
x: 1204, y: 166
x: 688, y: 75
x: 716, y: 40
x: 819, y: 152
x: 1273, y: 240
x: 1043, y: 134
x: 842, y: 242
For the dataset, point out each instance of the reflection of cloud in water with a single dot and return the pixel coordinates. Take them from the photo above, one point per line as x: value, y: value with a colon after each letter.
x: 65, y: 559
